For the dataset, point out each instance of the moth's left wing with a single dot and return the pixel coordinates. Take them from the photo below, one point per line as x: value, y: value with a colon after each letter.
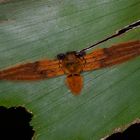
x: 116, y: 54
x: 38, y: 70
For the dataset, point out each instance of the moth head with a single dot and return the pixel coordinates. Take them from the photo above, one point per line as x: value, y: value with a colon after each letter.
x: 81, y: 54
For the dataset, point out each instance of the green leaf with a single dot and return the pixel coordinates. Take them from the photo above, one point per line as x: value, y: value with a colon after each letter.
x: 32, y: 30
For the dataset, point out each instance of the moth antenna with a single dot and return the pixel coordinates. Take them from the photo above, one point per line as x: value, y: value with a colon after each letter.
x: 118, y: 33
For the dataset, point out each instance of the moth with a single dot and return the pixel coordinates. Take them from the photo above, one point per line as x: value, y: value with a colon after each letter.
x: 73, y: 63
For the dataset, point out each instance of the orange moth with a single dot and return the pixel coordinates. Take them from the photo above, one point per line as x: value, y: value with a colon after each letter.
x: 74, y: 62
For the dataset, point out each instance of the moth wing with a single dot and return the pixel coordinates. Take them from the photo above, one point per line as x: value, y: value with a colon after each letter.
x: 116, y: 54
x: 32, y: 71
x: 75, y: 83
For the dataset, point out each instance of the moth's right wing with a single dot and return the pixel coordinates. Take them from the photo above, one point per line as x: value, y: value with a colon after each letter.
x: 114, y: 55
x: 32, y: 71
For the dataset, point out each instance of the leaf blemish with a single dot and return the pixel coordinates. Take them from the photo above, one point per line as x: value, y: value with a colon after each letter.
x: 128, y: 132
x: 14, y: 123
